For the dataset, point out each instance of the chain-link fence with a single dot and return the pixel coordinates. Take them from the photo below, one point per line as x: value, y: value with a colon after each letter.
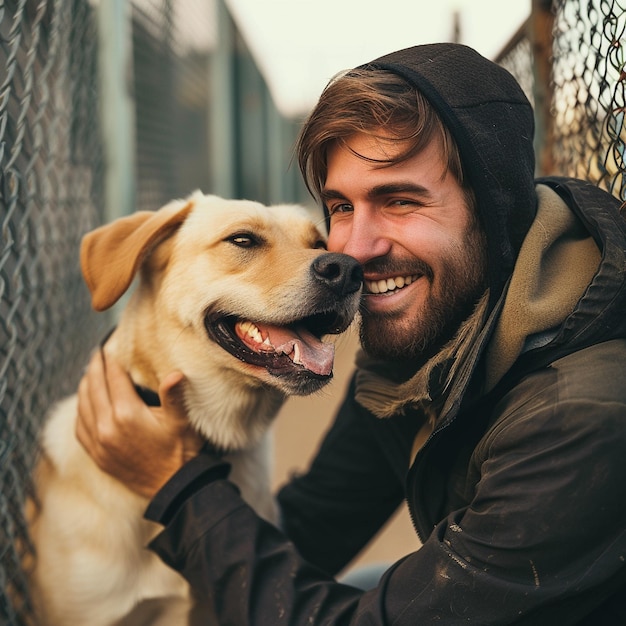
x: 588, y: 100
x: 50, y: 194
x: 52, y: 181
x: 571, y: 60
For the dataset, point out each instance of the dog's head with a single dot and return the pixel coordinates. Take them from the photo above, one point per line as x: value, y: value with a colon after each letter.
x: 231, y: 292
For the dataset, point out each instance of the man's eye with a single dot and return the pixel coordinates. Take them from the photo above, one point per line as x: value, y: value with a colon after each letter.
x: 243, y: 240
x: 339, y: 208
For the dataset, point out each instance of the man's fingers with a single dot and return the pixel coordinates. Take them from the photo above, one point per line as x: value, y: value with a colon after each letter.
x: 106, y: 403
x: 121, y: 392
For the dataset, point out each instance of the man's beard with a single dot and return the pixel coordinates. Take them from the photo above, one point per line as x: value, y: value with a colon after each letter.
x: 460, y: 284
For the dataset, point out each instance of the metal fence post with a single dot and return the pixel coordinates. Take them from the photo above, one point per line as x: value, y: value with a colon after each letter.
x: 541, y: 26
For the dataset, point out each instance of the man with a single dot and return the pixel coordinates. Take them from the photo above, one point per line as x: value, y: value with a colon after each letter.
x: 491, y: 392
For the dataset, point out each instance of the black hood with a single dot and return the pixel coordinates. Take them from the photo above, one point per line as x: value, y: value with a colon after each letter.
x: 492, y: 123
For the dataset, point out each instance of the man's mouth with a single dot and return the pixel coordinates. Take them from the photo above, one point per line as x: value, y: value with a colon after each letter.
x: 389, y: 285
x: 282, y: 350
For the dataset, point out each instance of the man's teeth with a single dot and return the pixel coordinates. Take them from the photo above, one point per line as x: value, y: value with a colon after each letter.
x: 248, y: 328
x: 389, y: 284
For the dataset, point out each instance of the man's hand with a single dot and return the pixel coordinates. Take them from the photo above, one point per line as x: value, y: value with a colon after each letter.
x: 140, y: 446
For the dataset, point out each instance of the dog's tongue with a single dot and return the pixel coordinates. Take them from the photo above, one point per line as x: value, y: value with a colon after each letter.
x: 302, y: 347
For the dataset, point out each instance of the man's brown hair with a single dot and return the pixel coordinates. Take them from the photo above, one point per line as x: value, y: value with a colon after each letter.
x: 380, y: 104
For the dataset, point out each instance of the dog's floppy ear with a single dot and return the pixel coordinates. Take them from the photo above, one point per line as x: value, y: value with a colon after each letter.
x: 111, y: 255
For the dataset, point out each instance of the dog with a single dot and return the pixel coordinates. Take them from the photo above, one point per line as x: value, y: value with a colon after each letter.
x: 237, y: 296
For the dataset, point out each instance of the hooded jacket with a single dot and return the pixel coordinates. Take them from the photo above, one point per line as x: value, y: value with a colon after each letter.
x: 510, y: 449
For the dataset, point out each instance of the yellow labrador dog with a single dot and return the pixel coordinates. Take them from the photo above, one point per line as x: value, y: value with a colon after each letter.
x: 235, y: 295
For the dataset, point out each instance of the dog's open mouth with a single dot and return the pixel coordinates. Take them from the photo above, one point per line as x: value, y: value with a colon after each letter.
x: 280, y: 349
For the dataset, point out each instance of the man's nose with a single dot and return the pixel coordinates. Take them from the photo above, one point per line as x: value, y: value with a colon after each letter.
x: 363, y: 238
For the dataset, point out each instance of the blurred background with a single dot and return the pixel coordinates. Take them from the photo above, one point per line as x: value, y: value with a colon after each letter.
x: 111, y: 106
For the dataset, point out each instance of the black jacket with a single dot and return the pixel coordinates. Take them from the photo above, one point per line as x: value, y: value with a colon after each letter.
x: 517, y: 487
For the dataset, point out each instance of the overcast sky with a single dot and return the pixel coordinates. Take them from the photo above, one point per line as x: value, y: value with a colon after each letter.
x: 300, y: 44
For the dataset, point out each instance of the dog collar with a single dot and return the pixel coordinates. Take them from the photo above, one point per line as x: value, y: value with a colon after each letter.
x: 151, y: 398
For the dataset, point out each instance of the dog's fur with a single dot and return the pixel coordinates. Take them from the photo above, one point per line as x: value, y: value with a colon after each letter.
x: 202, y: 264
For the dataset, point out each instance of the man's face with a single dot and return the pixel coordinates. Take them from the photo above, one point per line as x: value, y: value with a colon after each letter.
x: 421, y: 248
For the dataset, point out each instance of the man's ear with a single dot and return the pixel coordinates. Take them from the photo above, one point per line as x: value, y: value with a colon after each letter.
x: 111, y: 255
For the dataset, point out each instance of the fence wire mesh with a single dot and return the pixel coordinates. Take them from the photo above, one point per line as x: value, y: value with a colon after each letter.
x: 588, y: 102
x: 50, y: 194
x: 585, y: 130
x: 52, y: 185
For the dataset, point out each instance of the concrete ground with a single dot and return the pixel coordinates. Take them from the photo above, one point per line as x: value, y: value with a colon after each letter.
x: 298, y: 429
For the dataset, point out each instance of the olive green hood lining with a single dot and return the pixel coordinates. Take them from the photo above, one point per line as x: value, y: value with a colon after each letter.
x: 556, y: 263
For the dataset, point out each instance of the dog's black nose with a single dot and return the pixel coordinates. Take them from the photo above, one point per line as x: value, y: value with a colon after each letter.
x: 339, y: 272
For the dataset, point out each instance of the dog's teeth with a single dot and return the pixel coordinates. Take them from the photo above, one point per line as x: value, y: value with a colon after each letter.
x: 248, y: 328
x: 296, y: 354
x: 251, y: 331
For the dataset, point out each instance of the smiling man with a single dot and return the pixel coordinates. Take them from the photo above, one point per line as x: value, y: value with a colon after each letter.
x: 417, y: 237
x: 490, y: 395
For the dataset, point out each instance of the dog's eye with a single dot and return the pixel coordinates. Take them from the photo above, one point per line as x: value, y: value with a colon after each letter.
x: 320, y: 244
x: 243, y: 240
